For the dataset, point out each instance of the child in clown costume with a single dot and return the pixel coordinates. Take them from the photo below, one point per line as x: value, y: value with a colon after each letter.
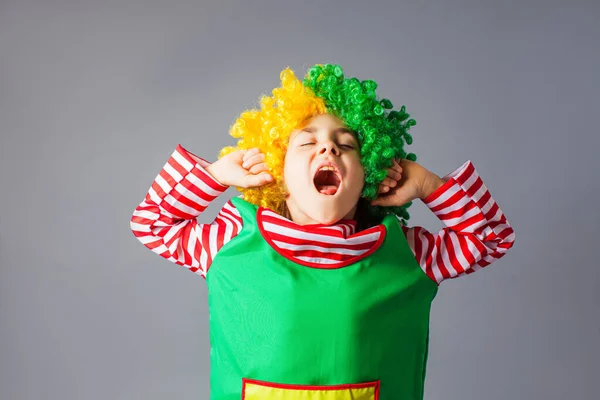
x: 317, y: 288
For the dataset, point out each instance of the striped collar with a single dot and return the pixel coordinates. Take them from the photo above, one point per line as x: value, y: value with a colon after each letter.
x: 317, y: 245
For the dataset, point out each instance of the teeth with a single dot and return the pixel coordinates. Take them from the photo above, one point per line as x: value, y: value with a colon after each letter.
x: 326, y: 168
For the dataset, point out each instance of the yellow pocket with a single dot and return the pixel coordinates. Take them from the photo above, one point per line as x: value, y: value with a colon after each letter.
x: 260, y: 390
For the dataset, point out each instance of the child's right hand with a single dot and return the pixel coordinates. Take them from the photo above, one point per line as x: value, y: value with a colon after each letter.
x: 241, y: 168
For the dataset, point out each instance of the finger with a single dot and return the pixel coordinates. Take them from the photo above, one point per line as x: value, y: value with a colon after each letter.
x: 382, y: 201
x: 396, y: 166
x: 257, y: 180
x: 395, y: 175
x: 250, y: 152
x: 383, y: 189
x: 389, y: 182
x: 258, y: 168
x: 252, y: 160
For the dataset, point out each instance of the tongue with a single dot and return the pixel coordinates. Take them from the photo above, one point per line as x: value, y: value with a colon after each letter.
x: 326, y: 182
x: 329, y: 189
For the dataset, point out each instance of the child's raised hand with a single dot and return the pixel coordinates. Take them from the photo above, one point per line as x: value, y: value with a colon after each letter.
x: 404, y: 183
x: 241, y: 168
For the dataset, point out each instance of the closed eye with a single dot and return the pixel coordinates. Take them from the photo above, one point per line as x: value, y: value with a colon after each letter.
x: 306, y: 144
x: 347, y: 146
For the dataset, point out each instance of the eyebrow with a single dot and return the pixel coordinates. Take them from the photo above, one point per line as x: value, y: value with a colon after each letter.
x: 311, y: 129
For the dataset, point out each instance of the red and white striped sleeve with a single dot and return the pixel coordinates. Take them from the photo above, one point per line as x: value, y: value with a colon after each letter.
x: 476, y: 234
x: 165, y: 221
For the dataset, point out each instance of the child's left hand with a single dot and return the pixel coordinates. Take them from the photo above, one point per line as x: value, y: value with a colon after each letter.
x: 405, y: 182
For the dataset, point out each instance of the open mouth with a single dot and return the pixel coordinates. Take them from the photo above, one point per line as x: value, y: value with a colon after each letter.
x: 327, y: 180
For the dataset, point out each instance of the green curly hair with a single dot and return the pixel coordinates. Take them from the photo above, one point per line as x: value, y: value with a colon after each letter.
x: 380, y: 131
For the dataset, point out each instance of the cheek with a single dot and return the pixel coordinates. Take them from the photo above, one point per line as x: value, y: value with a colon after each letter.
x: 293, y: 170
x: 359, y: 182
x: 358, y: 172
x: 288, y: 167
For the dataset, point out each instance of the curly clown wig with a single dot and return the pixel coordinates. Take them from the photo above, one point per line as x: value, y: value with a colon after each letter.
x: 380, y: 131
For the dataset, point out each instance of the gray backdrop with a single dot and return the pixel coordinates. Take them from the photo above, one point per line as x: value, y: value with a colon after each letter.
x: 94, y: 97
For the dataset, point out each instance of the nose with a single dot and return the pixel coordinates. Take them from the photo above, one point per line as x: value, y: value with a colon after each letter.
x: 329, y: 147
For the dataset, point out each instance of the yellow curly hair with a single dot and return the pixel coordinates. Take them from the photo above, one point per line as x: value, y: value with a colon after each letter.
x: 269, y: 129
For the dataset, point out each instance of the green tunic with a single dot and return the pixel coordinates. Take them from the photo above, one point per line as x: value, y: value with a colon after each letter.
x: 281, y: 330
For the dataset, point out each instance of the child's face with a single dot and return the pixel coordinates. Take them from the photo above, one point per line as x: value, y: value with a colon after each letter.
x: 322, y: 171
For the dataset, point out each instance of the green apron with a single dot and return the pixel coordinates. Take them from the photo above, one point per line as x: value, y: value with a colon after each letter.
x: 282, y: 330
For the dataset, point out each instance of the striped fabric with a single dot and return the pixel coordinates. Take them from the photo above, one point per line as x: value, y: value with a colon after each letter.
x: 318, y: 245
x: 476, y: 232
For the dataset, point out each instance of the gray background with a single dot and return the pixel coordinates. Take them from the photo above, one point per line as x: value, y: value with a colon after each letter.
x: 94, y: 97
